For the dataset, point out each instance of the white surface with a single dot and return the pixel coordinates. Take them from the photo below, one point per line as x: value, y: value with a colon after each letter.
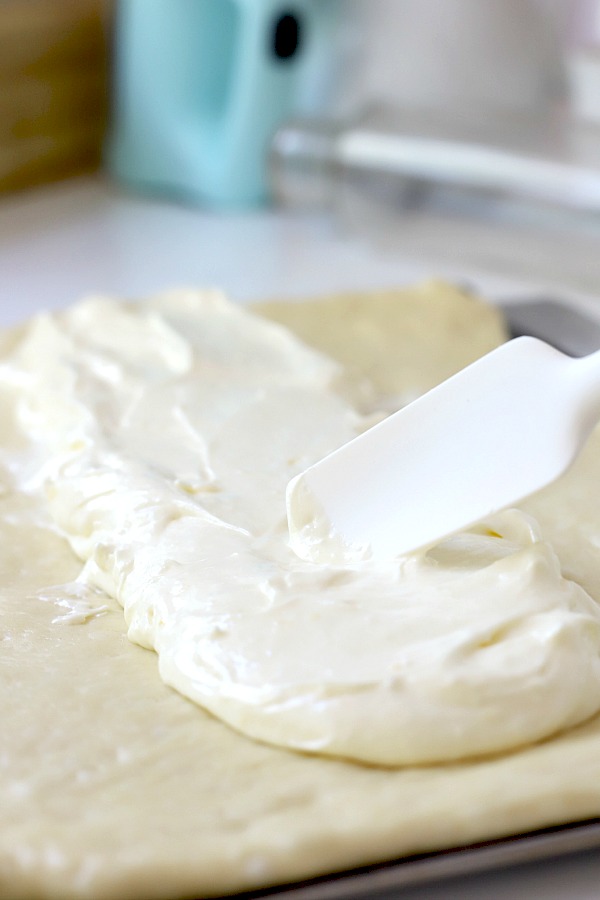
x: 60, y: 243
x: 505, y: 53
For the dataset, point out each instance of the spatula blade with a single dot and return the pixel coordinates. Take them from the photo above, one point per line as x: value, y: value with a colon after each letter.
x: 489, y: 436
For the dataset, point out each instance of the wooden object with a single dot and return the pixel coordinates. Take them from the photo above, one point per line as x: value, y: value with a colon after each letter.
x: 53, y: 88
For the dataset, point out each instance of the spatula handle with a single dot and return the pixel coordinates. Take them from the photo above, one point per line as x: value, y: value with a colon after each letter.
x: 587, y: 369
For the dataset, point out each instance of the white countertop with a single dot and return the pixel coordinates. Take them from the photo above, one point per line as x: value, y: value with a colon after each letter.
x: 60, y: 243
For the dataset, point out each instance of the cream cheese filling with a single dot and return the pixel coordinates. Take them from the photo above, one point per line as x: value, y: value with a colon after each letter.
x: 164, y: 436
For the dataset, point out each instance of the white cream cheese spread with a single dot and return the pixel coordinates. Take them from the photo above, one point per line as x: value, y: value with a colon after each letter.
x: 163, y: 436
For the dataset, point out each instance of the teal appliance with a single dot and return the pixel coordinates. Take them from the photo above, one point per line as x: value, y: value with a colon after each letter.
x: 200, y: 87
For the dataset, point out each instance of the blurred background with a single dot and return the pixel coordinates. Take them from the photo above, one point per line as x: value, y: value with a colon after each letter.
x: 217, y: 64
x: 458, y: 132
x: 54, y: 88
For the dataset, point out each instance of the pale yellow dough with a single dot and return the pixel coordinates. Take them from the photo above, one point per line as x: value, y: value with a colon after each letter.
x: 113, y: 785
x: 381, y: 334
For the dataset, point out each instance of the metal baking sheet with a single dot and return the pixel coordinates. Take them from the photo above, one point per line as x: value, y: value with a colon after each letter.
x: 575, y: 331
x: 421, y: 870
x: 556, y: 321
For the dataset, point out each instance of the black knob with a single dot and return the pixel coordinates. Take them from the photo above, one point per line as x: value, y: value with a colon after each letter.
x: 286, y: 36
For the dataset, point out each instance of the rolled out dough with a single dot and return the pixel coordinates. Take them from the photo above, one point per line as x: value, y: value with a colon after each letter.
x: 112, y: 785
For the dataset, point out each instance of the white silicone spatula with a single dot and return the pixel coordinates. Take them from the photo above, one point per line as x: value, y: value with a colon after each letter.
x: 489, y: 436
